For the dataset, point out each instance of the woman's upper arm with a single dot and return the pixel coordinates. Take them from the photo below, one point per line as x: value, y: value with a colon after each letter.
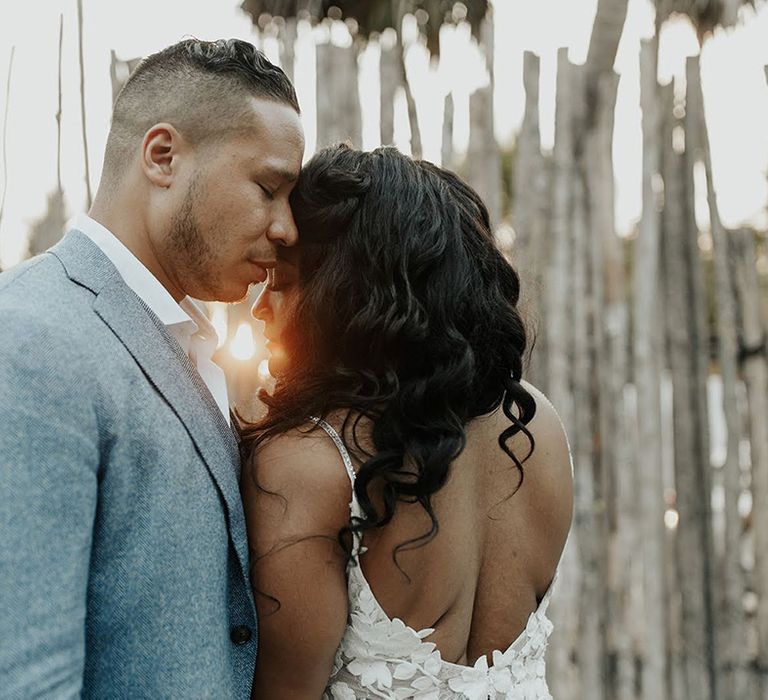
x: 296, y: 497
x: 548, y: 484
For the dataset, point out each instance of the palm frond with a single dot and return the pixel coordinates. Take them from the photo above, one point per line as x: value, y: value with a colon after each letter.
x: 706, y: 15
x: 376, y: 16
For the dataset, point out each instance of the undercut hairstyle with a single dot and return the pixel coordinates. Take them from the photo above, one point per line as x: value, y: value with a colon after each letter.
x: 406, y: 316
x: 197, y: 86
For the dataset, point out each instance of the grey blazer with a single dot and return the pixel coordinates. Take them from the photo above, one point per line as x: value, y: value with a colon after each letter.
x: 123, y: 555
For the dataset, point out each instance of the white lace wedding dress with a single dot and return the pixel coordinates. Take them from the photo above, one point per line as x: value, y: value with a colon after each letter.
x: 381, y: 657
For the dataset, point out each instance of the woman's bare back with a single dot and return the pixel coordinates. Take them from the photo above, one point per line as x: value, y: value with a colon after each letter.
x: 497, y: 549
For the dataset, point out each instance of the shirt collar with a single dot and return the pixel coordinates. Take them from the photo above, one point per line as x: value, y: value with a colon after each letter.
x: 203, y: 328
x: 146, y: 286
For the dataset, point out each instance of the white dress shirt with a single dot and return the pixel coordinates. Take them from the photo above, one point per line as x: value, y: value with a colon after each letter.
x: 185, y: 321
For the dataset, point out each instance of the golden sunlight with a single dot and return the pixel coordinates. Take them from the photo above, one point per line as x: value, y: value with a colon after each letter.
x: 242, y: 346
x: 264, y: 370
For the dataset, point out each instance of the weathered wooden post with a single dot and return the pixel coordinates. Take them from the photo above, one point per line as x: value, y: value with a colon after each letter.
x: 287, y: 34
x: 562, y: 671
x: 413, y: 119
x: 736, y: 678
x: 608, y: 339
x: 693, y: 498
x: 483, y: 158
x: 5, y: 134
x: 647, y: 380
x: 89, y: 197
x: 530, y: 226
x: 590, y: 642
x: 588, y: 510
x: 338, y: 102
x: 446, y: 149
x: 389, y: 75
x: 754, y: 369
x: 699, y: 332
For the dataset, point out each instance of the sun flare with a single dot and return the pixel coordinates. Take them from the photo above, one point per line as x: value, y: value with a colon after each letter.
x: 242, y: 347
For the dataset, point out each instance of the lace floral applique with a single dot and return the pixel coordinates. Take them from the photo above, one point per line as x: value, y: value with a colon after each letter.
x: 384, y: 658
x: 339, y: 691
x: 516, y: 674
x: 383, y: 652
x: 519, y: 680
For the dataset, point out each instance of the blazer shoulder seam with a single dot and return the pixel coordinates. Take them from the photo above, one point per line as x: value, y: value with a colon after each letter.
x: 23, y: 274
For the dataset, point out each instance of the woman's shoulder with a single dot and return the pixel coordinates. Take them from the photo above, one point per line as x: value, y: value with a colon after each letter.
x: 548, y: 482
x: 551, y: 451
x: 542, y: 506
x: 548, y: 433
x: 303, y: 469
x: 306, y: 451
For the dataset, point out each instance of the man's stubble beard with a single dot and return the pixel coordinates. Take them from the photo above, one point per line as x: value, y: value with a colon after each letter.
x: 192, y: 252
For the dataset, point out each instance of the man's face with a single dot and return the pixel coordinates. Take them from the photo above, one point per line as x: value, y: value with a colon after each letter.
x: 235, y: 213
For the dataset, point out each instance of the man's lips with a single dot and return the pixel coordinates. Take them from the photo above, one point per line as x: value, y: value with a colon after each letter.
x: 260, y: 269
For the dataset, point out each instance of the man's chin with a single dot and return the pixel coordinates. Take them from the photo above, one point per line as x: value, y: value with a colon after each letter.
x: 228, y: 295
x: 236, y: 298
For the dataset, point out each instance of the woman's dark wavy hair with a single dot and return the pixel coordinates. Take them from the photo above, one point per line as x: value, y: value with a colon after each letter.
x: 406, y: 316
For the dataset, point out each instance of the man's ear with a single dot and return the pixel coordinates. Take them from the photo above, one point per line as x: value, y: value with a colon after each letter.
x: 160, y: 150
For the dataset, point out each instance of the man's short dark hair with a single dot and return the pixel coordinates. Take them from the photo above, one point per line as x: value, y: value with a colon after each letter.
x: 198, y: 86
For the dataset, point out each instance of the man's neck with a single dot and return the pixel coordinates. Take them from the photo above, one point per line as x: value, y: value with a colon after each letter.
x: 138, y: 242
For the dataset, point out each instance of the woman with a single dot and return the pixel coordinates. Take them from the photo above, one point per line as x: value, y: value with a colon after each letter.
x: 407, y: 495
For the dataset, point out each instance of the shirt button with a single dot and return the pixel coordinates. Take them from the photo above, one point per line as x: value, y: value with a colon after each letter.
x: 240, y: 634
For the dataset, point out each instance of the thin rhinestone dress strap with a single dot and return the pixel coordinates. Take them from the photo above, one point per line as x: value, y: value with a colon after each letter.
x: 340, y: 445
x: 354, y: 506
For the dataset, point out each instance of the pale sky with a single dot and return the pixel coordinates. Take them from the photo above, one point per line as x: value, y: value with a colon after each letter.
x: 735, y: 90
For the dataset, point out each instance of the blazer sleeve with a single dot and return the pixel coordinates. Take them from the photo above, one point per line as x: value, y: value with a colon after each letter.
x: 49, y: 460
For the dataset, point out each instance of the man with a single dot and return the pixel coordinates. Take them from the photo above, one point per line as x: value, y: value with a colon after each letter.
x: 123, y: 557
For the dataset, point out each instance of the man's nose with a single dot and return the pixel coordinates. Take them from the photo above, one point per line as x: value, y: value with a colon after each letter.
x: 283, y: 229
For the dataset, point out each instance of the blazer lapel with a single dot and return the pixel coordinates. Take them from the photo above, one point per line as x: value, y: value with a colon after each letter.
x: 167, y: 367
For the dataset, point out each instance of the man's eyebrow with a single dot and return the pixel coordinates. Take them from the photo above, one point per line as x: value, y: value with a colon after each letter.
x: 285, y: 174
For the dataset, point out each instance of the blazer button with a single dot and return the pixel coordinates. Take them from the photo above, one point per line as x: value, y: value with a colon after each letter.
x: 240, y: 634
